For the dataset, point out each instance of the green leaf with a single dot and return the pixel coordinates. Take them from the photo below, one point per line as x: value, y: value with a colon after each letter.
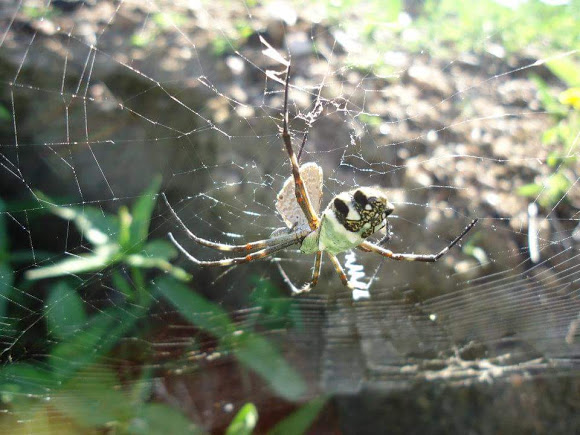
x: 140, y: 261
x: 93, y: 399
x: 566, y: 70
x: 141, y: 389
x: 158, y: 418
x: 195, y: 308
x: 142, y: 211
x: 95, y: 226
x: 530, y: 190
x: 160, y: 249
x: 550, y: 136
x: 18, y: 379
x: 125, y: 219
x: 6, y: 283
x: 557, y: 187
x: 96, y: 339
x: 4, y: 243
x: 244, y: 422
x: 102, y: 257
x: 64, y: 310
x: 122, y: 286
x: 255, y: 352
x: 299, y: 421
x: 5, y: 114
x: 258, y: 354
x: 141, y: 39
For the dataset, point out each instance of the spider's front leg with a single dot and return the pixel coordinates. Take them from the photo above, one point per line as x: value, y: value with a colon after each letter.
x: 428, y: 258
x: 299, y: 189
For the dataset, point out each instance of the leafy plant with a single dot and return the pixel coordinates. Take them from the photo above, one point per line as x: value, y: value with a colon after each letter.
x: 159, y: 23
x: 470, y: 26
x: 86, y: 394
x: 91, y: 399
x: 116, y: 239
x: 562, y: 138
x: 251, y: 350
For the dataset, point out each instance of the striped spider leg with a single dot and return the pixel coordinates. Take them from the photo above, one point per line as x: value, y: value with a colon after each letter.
x: 427, y: 258
x: 265, y: 247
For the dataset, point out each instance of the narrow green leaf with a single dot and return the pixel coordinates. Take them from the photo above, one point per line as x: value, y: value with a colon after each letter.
x: 93, y: 399
x: 566, y: 70
x: 160, y: 249
x: 102, y: 257
x: 95, y: 226
x: 195, y: 308
x: 140, y: 261
x: 141, y: 389
x: 244, y: 422
x: 64, y: 310
x: 258, y: 354
x: 530, y: 190
x: 299, y: 421
x: 6, y: 283
x: 142, y: 211
x: 5, y: 114
x: 122, y: 286
x: 4, y: 242
x: 96, y: 339
x: 253, y: 351
x: 125, y: 220
x: 19, y: 379
x: 158, y: 418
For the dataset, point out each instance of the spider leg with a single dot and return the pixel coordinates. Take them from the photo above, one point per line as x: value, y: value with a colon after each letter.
x: 308, y: 286
x: 429, y: 258
x: 273, y: 241
x: 299, y: 190
x: 340, y: 271
x: 302, y: 146
x: 258, y: 255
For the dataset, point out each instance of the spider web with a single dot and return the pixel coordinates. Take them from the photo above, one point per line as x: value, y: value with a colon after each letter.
x: 99, y: 99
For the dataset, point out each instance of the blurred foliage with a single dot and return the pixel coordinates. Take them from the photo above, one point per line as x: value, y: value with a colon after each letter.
x: 116, y: 239
x: 93, y: 398
x: 373, y: 29
x: 71, y: 386
x: 159, y: 23
x: 300, y: 420
x: 469, y: 26
x: 275, y: 308
x: 562, y: 138
x: 245, y: 421
x: 252, y: 350
x: 233, y: 38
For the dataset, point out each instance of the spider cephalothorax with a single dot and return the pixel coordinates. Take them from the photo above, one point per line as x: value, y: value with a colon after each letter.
x: 349, y: 219
x: 363, y: 211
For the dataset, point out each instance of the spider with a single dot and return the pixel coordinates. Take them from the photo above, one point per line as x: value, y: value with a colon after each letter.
x: 349, y: 219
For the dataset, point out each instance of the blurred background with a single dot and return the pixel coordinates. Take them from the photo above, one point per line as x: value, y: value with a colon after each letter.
x: 459, y: 110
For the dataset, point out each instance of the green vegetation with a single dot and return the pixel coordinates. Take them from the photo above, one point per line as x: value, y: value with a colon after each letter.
x: 159, y: 23
x: 75, y: 378
x: 447, y: 27
x: 562, y: 138
x: 511, y: 24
